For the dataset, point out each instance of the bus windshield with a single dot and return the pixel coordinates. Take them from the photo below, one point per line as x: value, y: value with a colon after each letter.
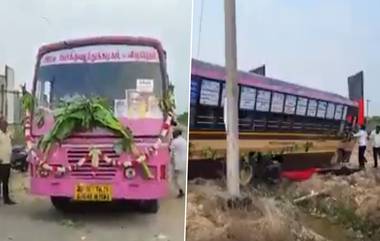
x: 114, y: 72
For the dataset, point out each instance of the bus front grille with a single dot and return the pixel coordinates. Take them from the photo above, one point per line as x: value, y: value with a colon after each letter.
x: 86, y: 172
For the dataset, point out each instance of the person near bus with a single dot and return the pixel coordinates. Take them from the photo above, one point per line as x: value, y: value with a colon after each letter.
x: 362, y: 139
x: 375, y: 138
x: 178, y: 148
x: 5, y: 158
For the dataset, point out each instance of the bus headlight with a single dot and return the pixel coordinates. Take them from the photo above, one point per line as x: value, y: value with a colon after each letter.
x: 129, y: 172
x: 43, y: 173
x: 59, y: 174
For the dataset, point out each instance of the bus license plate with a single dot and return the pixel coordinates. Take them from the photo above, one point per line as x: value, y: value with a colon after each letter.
x: 101, y: 193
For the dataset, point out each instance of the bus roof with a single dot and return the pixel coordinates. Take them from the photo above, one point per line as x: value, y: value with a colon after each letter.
x: 212, y: 71
x: 100, y: 40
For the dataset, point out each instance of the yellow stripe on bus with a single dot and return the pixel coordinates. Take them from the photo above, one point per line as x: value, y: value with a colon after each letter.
x: 262, y: 133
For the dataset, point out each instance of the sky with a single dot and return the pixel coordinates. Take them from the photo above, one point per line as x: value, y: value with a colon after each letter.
x: 26, y: 25
x: 313, y: 43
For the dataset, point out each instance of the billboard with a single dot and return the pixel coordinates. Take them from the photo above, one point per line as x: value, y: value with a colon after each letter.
x: 356, y: 93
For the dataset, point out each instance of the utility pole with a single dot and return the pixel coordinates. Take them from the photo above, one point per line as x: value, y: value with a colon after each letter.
x: 233, y: 179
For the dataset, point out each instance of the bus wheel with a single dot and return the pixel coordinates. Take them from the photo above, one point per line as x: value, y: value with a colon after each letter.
x: 60, y: 203
x: 148, y: 206
x: 246, y: 175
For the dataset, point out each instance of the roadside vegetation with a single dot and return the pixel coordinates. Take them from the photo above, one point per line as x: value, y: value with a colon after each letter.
x: 183, y: 118
x: 326, y: 207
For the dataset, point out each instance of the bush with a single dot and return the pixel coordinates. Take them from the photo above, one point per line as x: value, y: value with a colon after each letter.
x: 18, y: 134
x: 183, y: 118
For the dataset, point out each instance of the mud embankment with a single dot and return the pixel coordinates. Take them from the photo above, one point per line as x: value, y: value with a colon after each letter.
x: 266, y: 218
x: 352, y: 201
x: 336, y: 208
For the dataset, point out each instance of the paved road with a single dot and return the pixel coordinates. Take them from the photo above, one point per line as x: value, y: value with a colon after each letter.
x: 34, y: 219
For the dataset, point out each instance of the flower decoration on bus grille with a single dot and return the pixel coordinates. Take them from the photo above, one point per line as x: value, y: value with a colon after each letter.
x: 143, y: 157
x: 94, y: 156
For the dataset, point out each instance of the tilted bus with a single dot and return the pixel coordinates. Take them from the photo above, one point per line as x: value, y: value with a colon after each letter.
x: 274, y: 116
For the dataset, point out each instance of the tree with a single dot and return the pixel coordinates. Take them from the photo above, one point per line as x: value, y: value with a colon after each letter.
x: 183, y: 118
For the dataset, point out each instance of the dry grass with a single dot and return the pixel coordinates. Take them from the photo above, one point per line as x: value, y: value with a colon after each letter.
x: 359, y: 191
x: 210, y: 219
x: 351, y: 200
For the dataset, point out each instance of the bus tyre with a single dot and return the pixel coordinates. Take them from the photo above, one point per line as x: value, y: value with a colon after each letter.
x: 246, y: 175
x: 60, y: 203
x: 148, y: 206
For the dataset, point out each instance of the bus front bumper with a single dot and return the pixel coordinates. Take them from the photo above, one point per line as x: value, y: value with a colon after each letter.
x: 128, y: 190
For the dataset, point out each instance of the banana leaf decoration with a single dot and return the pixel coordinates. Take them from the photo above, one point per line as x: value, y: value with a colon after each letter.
x: 27, y: 104
x: 27, y: 100
x: 84, y: 114
x: 167, y: 103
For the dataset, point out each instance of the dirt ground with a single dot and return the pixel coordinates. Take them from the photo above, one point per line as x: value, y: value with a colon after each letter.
x: 210, y: 218
x: 352, y: 213
x: 353, y: 200
x: 34, y: 219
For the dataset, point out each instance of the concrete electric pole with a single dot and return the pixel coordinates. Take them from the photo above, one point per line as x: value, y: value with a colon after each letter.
x: 233, y: 180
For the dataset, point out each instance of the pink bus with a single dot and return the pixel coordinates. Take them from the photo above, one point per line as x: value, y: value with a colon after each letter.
x: 130, y: 73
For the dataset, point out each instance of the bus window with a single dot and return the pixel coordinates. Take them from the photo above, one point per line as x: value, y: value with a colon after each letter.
x: 338, y: 112
x: 247, y: 98
x: 263, y: 100
x: 330, y: 111
x: 209, y: 93
x: 301, y: 106
x: 312, y: 108
x: 277, y: 102
x: 344, y: 113
x: 194, y: 92
x: 322, y: 105
x: 290, y: 104
x: 223, y: 96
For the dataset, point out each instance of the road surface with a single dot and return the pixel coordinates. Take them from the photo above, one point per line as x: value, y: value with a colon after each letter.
x: 34, y: 219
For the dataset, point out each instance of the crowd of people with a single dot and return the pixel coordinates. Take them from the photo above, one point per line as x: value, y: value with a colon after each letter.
x: 363, y: 139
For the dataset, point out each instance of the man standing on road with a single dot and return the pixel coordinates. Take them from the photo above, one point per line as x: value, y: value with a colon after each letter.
x: 5, y: 158
x: 178, y: 150
x: 362, y: 136
x: 375, y: 138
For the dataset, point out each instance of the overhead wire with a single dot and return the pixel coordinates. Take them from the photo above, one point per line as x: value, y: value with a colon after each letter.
x: 200, y: 29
